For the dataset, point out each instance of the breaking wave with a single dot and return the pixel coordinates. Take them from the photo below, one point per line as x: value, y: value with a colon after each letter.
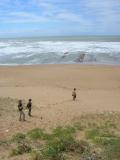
x: 23, y: 52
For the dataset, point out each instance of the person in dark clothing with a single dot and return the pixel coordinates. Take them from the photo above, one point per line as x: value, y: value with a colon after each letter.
x: 29, y: 106
x: 20, y: 108
x: 74, y: 94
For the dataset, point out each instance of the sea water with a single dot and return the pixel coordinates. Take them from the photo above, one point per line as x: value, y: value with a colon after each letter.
x: 60, y: 50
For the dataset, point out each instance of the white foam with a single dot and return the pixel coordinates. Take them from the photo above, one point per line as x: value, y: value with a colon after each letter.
x: 19, y: 49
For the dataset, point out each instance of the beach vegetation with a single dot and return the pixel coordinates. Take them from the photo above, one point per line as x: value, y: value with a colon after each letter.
x: 20, y: 149
x: 35, y: 134
x: 85, y: 139
x: 18, y: 137
x: 4, y: 142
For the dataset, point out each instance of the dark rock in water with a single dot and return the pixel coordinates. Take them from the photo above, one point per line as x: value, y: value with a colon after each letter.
x: 80, y: 58
x: 64, y: 54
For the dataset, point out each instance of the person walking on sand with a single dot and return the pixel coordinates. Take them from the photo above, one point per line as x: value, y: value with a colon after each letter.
x: 74, y: 94
x: 29, y: 106
x: 20, y: 108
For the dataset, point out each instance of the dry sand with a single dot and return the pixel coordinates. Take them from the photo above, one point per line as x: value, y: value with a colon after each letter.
x: 50, y: 87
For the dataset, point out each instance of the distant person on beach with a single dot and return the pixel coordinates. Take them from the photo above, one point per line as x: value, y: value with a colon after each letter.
x: 29, y: 106
x: 20, y: 108
x: 74, y: 94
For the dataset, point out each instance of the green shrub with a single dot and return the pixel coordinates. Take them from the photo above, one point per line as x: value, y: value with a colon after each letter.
x: 36, y: 133
x: 64, y: 132
x: 61, y: 144
x: 104, y: 141
x: 83, y: 147
x: 98, y: 132
x: 18, y: 137
x: 54, y: 147
x: 21, y: 149
x: 47, y: 136
x: 112, y: 149
x: 92, y: 133
x: 4, y: 142
x: 36, y: 155
x: 52, y: 153
x: 57, y: 146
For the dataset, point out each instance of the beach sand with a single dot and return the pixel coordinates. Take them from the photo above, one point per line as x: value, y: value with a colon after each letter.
x: 50, y: 87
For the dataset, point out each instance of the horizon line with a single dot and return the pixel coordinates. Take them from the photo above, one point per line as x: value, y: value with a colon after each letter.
x: 48, y: 36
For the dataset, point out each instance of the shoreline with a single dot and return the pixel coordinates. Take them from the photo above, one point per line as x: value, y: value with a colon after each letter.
x: 59, y: 64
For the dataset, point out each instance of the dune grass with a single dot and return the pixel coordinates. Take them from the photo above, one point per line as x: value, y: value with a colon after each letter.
x: 100, y: 140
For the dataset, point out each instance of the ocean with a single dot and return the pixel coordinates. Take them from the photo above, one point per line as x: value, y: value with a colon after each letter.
x: 60, y: 50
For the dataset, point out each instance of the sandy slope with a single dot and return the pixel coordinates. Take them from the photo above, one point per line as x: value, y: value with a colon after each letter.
x: 50, y: 87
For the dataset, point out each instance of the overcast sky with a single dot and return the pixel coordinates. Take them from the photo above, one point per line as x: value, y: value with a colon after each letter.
x: 59, y: 17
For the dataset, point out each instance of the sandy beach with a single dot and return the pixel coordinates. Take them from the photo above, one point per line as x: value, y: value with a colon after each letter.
x: 50, y: 87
